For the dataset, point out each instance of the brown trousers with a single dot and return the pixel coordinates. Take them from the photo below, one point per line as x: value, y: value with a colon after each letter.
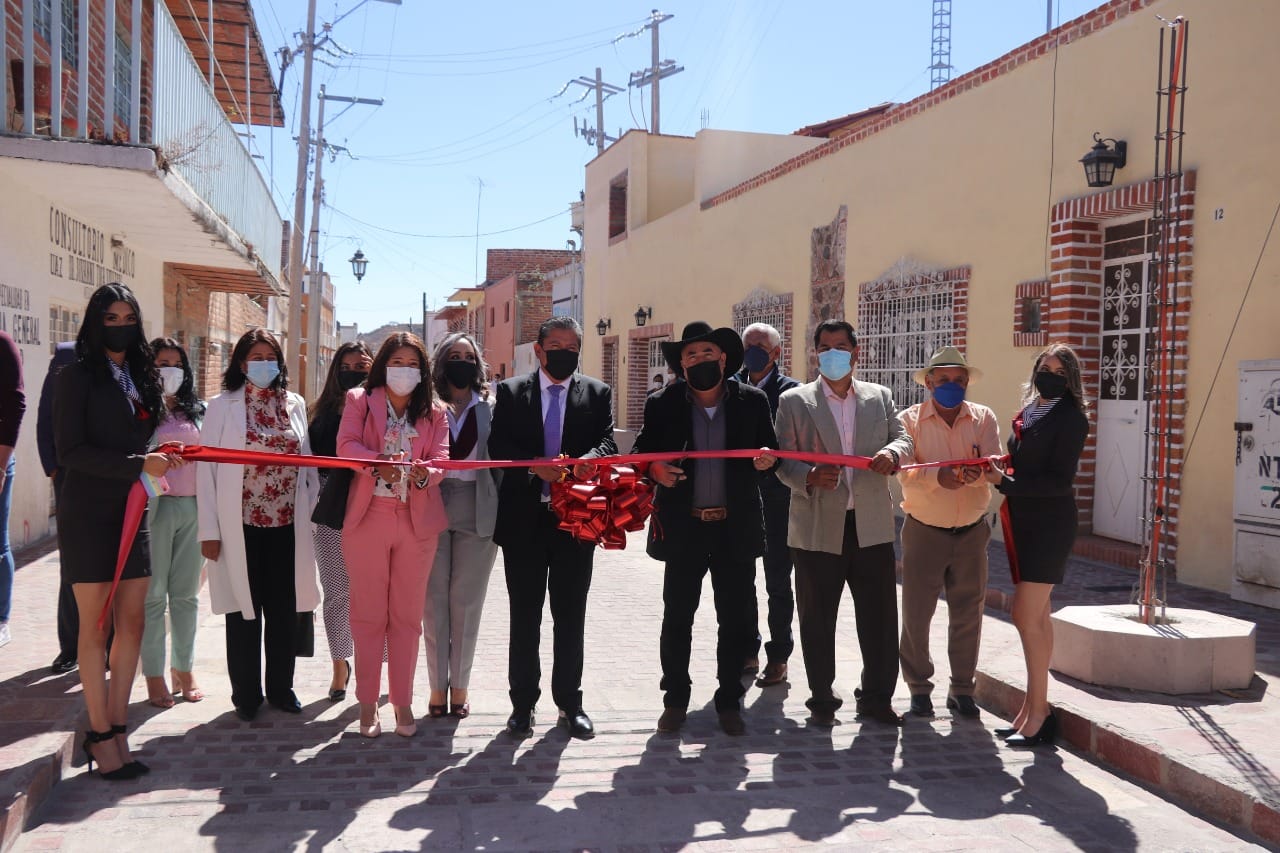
x: 935, y: 561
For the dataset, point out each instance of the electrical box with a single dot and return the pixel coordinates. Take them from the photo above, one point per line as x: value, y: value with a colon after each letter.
x: 1256, y: 556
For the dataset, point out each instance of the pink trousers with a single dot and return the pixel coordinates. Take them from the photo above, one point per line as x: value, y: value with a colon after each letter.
x: 389, y: 567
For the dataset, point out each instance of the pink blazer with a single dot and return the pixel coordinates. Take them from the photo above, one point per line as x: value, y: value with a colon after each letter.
x: 364, y: 423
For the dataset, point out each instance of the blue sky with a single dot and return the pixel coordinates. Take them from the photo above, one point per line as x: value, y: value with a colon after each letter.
x: 470, y: 95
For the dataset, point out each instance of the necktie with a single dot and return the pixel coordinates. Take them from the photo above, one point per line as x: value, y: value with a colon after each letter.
x: 551, y: 429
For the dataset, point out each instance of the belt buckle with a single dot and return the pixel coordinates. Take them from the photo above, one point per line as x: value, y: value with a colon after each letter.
x: 716, y: 513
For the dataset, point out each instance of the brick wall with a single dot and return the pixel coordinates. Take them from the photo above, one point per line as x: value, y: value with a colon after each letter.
x: 1075, y: 314
x: 500, y: 263
x: 638, y: 374
x: 1031, y: 313
x: 208, y: 323
x: 533, y: 307
x: 609, y: 368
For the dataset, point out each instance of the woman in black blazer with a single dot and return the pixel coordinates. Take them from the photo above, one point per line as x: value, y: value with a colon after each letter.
x: 104, y: 413
x: 1048, y: 437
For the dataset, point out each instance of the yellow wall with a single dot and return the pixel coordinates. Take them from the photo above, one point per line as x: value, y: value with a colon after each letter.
x: 972, y: 181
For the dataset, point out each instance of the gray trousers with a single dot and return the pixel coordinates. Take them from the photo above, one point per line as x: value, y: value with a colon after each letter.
x: 935, y: 561
x: 456, y: 590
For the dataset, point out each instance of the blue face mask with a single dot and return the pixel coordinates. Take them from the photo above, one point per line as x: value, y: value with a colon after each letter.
x: 262, y: 373
x: 948, y: 395
x: 755, y: 359
x: 835, y: 364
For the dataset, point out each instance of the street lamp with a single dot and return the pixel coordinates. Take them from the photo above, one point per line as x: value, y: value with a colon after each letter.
x: 1101, y: 162
x: 359, y: 263
x: 603, y: 326
x: 642, y: 314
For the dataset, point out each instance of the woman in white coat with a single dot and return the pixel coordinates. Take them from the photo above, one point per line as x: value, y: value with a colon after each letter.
x: 256, y: 519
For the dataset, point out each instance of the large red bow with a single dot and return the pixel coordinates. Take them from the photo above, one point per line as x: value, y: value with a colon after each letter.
x: 604, y: 508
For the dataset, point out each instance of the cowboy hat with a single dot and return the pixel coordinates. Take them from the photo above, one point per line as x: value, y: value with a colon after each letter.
x: 725, y: 338
x: 946, y: 357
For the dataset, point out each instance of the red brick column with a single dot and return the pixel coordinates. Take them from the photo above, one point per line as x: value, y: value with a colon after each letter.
x: 638, y: 369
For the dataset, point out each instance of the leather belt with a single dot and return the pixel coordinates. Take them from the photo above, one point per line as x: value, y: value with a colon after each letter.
x: 710, y: 513
x: 954, y: 531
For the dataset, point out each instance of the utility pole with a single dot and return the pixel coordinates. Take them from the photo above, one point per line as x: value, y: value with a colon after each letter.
x: 656, y: 71
x: 603, y: 90
x: 313, y: 381
x: 300, y: 200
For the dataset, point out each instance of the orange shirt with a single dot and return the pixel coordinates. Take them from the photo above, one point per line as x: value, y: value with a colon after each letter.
x: 975, y: 434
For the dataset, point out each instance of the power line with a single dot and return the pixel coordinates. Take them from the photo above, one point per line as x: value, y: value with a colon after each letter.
x: 470, y: 236
x: 427, y: 56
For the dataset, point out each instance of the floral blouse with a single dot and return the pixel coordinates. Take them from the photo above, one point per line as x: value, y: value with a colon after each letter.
x: 268, y: 492
x: 398, y: 437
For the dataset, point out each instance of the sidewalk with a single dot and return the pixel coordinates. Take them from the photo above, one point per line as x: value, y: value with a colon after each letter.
x: 284, y: 782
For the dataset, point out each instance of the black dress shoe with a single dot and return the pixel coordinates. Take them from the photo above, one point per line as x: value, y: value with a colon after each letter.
x: 880, y: 713
x: 578, y: 724
x: 246, y: 712
x: 63, y: 664
x: 922, y: 705
x: 963, y: 705
x: 520, y: 724
x: 289, y: 704
x: 731, y: 722
x: 822, y: 717
x: 751, y: 666
x: 1044, y: 737
x: 672, y: 720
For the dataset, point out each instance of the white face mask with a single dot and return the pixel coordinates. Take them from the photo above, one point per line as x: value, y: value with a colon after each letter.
x: 402, y: 380
x: 171, y: 379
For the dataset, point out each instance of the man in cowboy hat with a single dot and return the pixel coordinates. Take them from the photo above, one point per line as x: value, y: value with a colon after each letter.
x: 944, y: 539
x: 707, y: 512
x: 841, y: 527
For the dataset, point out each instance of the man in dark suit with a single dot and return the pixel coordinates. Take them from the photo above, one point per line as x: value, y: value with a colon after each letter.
x: 552, y: 412
x: 68, y: 615
x: 707, y: 513
x: 762, y: 348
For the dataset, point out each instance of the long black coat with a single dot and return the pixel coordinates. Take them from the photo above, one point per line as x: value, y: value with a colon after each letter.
x: 101, y: 446
x: 1042, y: 503
x: 516, y: 433
x: 773, y: 386
x: 668, y: 426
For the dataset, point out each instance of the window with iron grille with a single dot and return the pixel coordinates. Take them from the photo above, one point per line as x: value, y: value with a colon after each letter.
x: 761, y: 306
x: 64, y: 325
x: 124, y: 77
x: 903, y: 318
x: 70, y: 28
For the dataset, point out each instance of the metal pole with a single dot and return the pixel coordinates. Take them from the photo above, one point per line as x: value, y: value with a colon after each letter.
x: 424, y: 318
x: 654, y: 101
x: 1048, y: 15
x: 599, y: 113
x: 315, y: 278
x: 300, y: 198
x: 209, y: 41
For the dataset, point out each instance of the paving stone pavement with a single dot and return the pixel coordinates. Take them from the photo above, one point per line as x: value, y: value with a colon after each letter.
x: 311, y: 782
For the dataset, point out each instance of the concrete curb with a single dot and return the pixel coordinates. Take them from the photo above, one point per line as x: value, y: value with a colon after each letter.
x: 28, y: 787
x: 1149, y: 763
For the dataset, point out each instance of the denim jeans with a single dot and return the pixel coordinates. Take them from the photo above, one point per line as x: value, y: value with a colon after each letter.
x: 6, y: 553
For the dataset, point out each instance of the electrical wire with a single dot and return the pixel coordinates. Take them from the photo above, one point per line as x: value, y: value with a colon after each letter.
x: 738, y: 75
x: 470, y: 236
x: 430, y: 56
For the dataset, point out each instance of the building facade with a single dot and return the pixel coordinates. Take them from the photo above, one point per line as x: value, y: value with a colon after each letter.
x: 963, y: 217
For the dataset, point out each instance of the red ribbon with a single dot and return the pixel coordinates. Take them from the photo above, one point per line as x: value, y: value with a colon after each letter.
x: 604, y: 508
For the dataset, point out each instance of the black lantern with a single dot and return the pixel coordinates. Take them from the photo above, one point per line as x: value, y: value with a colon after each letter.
x: 359, y: 263
x: 1101, y: 162
x: 643, y: 314
x: 603, y: 326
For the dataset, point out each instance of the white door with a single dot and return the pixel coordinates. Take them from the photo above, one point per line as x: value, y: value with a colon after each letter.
x: 1126, y: 319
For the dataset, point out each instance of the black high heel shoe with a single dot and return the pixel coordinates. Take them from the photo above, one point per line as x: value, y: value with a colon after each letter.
x: 138, y: 767
x: 122, y: 772
x: 1004, y: 731
x: 339, y: 695
x: 1048, y: 731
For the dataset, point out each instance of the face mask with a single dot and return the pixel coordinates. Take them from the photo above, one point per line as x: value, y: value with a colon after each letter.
x: 1050, y: 385
x: 262, y: 373
x: 704, y: 375
x: 835, y: 364
x: 461, y: 373
x: 119, y: 338
x: 561, y: 363
x: 171, y: 378
x: 348, y: 379
x: 755, y: 359
x: 402, y: 380
x: 948, y: 395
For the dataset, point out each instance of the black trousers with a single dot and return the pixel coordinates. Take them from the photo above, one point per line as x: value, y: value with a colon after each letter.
x: 552, y: 562
x: 777, y: 577
x: 68, y: 613
x: 820, y: 582
x: 733, y: 587
x: 270, y: 563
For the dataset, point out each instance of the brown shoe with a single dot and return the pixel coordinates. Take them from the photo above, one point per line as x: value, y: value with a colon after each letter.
x: 824, y: 717
x: 774, y: 673
x: 731, y: 723
x: 751, y: 666
x: 672, y: 720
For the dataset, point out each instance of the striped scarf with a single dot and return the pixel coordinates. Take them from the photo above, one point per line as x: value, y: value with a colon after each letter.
x: 125, y: 381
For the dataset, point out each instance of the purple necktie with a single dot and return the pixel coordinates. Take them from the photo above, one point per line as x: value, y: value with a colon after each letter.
x: 551, y: 430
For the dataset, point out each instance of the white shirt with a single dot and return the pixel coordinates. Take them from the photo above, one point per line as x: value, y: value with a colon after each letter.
x: 845, y: 412
x: 455, y: 426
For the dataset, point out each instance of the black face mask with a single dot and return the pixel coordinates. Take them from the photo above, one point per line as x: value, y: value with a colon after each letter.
x: 461, y: 373
x: 1051, y: 386
x: 119, y: 338
x: 704, y: 375
x: 348, y: 379
x: 561, y: 363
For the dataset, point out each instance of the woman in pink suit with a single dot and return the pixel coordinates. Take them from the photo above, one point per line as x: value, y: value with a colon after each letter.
x: 394, y: 515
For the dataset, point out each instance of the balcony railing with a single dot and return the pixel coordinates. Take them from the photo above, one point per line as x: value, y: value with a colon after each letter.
x: 197, y: 141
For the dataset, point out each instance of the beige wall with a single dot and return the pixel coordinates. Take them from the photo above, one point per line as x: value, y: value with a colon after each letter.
x: 971, y: 181
x: 727, y: 158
